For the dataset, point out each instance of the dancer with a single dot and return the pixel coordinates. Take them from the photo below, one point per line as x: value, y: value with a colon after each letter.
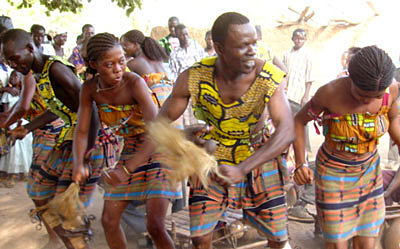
x: 59, y: 88
x: 230, y: 92
x: 355, y: 112
x: 135, y: 177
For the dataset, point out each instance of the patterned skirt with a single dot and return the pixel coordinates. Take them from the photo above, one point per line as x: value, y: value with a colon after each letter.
x: 148, y: 181
x: 44, y: 139
x: 53, y: 175
x: 260, y: 195
x: 349, y: 195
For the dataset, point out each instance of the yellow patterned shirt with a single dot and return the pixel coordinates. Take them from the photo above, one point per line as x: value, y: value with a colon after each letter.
x: 233, y: 123
x: 57, y: 107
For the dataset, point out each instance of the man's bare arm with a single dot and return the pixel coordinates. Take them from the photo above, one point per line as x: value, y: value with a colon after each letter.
x: 282, y: 137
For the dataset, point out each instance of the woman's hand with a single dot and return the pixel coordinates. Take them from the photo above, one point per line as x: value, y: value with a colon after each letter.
x: 303, y: 175
x: 116, y: 176
x: 80, y: 174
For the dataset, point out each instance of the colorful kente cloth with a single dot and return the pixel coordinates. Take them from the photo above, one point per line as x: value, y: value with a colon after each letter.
x: 260, y: 194
x: 147, y: 181
x: 44, y: 139
x: 356, y: 133
x: 53, y: 175
x: 161, y: 86
x: 124, y: 120
x: 46, y: 92
x: 349, y: 194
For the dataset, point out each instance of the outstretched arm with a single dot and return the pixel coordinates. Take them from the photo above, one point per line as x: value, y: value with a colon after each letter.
x: 80, y: 143
x: 283, y: 136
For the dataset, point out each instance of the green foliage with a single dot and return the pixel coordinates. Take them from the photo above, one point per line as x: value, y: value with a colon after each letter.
x: 74, y: 6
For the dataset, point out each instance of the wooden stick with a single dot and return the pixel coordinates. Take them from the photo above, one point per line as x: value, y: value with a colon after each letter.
x: 250, y: 246
x: 303, y: 14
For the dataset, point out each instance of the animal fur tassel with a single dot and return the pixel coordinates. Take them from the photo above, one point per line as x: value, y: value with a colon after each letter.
x: 182, y: 156
x: 66, y: 209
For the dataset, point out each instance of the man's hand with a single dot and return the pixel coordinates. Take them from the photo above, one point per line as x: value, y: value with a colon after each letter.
x: 233, y: 173
x: 303, y: 175
x: 19, y: 132
x: 194, y: 132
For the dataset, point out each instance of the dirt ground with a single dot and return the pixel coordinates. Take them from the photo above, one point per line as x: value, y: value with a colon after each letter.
x: 17, y: 232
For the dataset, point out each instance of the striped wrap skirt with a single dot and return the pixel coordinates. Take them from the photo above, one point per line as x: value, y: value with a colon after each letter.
x: 52, y: 172
x: 149, y: 181
x: 260, y: 195
x: 349, y: 195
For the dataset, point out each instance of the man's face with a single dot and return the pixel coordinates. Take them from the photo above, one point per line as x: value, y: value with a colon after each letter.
x: 18, y: 58
x: 239, y: 49
x: 299, y: 39
x: 38, y: 37
x: 88, y: 32
x: 171, y: 26
x: 183, y: 37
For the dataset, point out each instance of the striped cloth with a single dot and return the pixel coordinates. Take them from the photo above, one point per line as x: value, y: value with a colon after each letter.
x: 52, y: 176
x: 349, y: 195
x: 148, y: 181
x: 260, y: 196
x: 161, y: 87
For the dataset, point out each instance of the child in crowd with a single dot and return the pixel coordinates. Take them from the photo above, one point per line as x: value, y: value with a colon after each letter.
x: 17, y: 161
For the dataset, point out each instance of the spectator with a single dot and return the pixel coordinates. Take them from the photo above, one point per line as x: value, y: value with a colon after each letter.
x: 76, y: 58
x: 184, y: 56
x: 40, y: 40
x: 181, y: 59
x: 59, y: 41
x: 210, y: 51
x: 170, y: 42
x: 19, y: 158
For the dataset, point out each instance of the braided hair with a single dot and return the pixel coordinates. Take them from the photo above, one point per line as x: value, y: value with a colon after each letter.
x: 150, y: 47
x: 98, y: 45
x: 371, y: 69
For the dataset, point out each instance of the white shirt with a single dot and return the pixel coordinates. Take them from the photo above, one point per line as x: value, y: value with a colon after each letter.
x: 299, y: 66
x: 181, y: 58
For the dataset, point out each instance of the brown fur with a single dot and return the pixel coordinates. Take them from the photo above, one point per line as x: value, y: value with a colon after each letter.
x: 181, y: 155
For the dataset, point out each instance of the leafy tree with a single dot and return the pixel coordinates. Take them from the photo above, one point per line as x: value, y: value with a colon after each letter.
x: 74, y: 6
